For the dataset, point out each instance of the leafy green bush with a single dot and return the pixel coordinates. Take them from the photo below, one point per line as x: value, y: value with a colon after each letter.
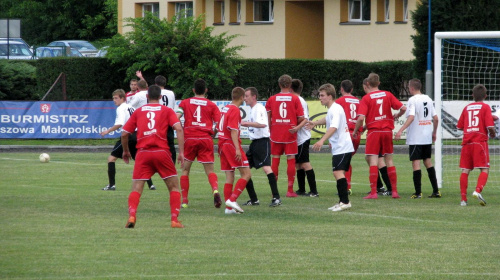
x: 17, y: 80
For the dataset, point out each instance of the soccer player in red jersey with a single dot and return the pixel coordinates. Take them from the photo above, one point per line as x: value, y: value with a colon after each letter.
x: 200, y: 114
x: 231, y: 154
x: 476, y: 122
x: 350, y: 104
x: 153, y: 156
x: 375, y: 108
x: 285, y: 112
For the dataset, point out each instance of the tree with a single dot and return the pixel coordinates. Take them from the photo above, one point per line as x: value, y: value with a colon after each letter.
x: 43, y: 21
x: 181, y: 49
x: 450, y: 15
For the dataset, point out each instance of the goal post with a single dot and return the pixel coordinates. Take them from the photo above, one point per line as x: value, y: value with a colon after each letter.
x: 462, y: 60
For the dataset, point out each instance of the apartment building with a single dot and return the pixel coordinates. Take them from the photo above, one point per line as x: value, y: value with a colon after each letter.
x: 364, y: 30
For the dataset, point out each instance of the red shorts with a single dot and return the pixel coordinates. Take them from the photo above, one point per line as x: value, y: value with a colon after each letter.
x: 379, y: 142
x: 227, y: 153
x: 355, y: 142
x: 201, y: 148
x: 289, y: 149
x: 475, y: 155
x: 149, y: 162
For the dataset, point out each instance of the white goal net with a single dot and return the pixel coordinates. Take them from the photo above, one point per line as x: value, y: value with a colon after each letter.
x: 463, y: 60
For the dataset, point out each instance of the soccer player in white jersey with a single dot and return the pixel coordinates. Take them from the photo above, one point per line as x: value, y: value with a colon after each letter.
x: 337, y: 134
x: 421, y: 122
x: 302, y: 163
x: 123, y: 113
x: 259, y: 152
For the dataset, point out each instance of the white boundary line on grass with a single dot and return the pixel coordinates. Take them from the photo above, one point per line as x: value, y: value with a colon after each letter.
x: 166, y: 276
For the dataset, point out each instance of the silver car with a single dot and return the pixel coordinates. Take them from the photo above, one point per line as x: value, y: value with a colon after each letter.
x: 14, y: 50
x: 84, y: 47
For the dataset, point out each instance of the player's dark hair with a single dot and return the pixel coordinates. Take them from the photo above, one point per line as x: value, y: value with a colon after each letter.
x: 200, y: 86
x: 373, y: 80
x: 237, y: 93
x: 142, y: 84
x: 253, y: 91
x: 329, y: 89
x: 479, y: 92
x: 347, y: 86
x: 297, y: 86
x: 416, y: 84
x: 160, y: 81
x: 285, y: 81
x: 120, y: 92
x: 154, y: 92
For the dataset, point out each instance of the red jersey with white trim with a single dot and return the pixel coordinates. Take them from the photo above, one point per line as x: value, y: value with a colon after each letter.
x: 376, y: 107
x: 474, y: 121
x: 350, y: 104
x: 230, y: 120
x: 152, y: 122
x: 199, y: 116
x: 285, y: 108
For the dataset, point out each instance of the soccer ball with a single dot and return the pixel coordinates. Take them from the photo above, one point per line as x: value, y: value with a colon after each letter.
x: 44, y: 158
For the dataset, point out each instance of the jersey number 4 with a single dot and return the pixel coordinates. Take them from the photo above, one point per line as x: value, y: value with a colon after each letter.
x: 197, y: 114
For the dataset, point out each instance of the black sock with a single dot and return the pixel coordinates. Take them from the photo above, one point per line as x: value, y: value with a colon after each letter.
x: 111, y: 173
x: 379, y: 183
x: 150, y: 182
x: 311, y: 179
x: 274, y: 185
x: 417, y: 181
x: 301, y: 180
x: 432, y: 177
x: 251, y: 191
x: 385, y: 177
x: 342, y: 189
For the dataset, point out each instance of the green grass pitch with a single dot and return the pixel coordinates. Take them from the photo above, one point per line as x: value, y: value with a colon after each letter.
x: 56, y: 223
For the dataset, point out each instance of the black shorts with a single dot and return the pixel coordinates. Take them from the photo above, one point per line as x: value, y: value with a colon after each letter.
x: 341, y: 162
x: 171, y: 145
x: 259, y: 153
x: 303, y: 152
x: 117, y: 151
x: 418, y: 152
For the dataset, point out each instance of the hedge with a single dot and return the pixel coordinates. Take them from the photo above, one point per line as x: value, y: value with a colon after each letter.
x: 95, y: 78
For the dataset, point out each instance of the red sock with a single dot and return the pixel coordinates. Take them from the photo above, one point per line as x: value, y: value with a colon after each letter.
x: 133, y: 202
x: 175, y: 205
x: 373, y: 179
x: 275, y: 163
x: 464, y: 181
x: 214, y: 183
x: 290, y: 172
x: 393, y: 177
x: 184, y: 188
x: 228, y: 190
x: 348, y: 175
x: 238, y: 189
x: 481, y: 181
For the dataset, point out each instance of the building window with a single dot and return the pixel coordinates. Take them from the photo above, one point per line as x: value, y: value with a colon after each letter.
x: 386, y: 10
x: 234, y: 11
x: 153, y: 8
x: 219, y: 9
x: 401, y: 11
x: 383, y: 11
x: 184, y: 9
x: 359, y: 10
x: 263, y: 11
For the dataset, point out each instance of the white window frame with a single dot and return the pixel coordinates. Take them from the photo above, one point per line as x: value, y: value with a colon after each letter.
x: 271, y: 10
x: 387, y: 10
x: 238, y: 11
x: 188, y: 6
x: 154, y: 8
x: 405, y: 10
x: 222, y: 13
x: 352, y: 10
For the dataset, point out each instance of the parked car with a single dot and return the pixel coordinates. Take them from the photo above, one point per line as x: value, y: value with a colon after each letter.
x: 84, y: 47
x: 15, y: 50
x: 18, y: 40
x: 56, y: 51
